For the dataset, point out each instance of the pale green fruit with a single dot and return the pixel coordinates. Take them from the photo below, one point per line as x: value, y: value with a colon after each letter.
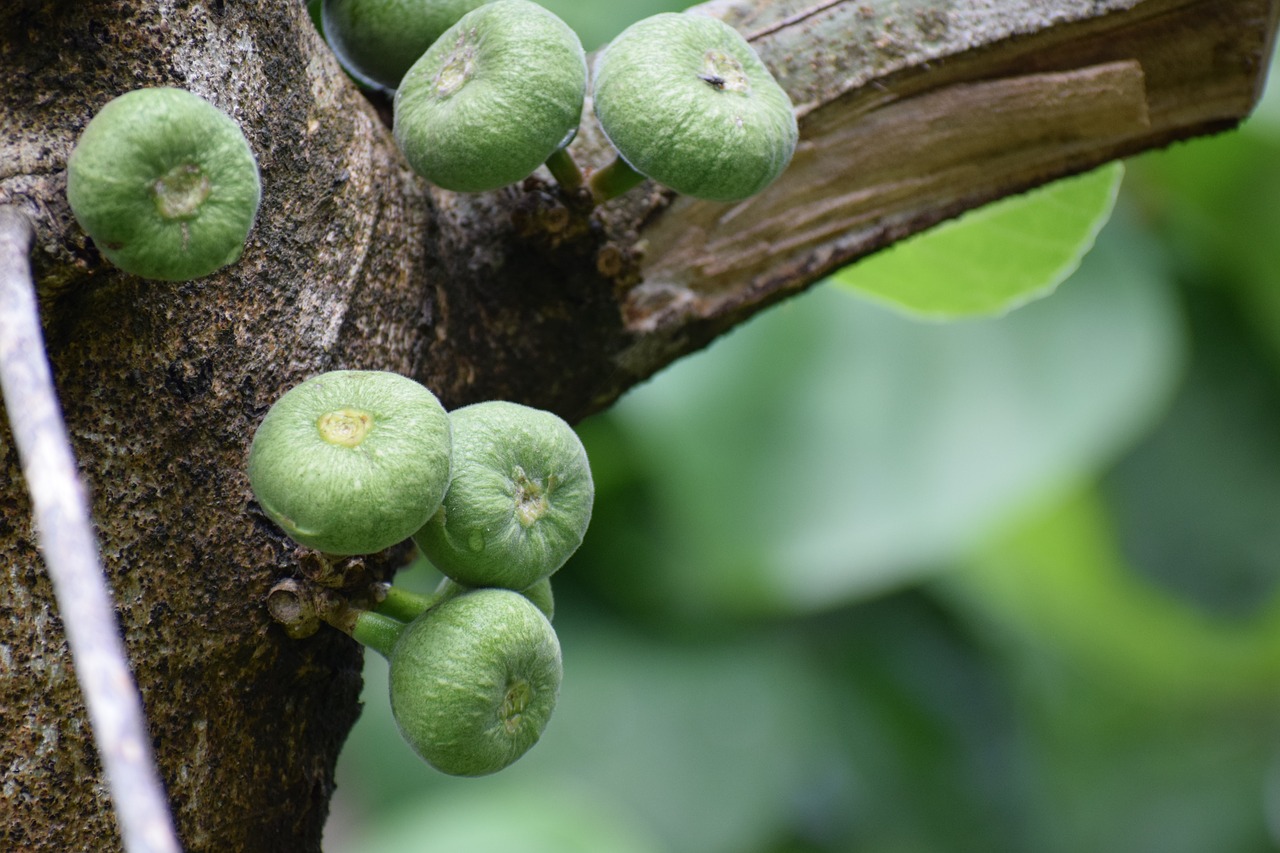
x: 352, y: 461
x: 688, y: 103
x: 519, y: 502
x: 377, y: 40
x: 493, y: 98
x: 165, y: 184
x: 474, y: 681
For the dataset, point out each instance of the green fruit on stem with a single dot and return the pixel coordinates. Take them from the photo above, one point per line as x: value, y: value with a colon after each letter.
x: 474, y: 681
x: 401, y: 604
x: 539, y: 593
x: 352, y: 461
x: 378, y: 40
x: 165, y: 184
x: 688, y: 103
x: 493, y: 98
x: 519, y: 502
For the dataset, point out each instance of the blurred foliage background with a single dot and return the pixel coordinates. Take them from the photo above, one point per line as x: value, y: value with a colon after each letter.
x: 858, y: 582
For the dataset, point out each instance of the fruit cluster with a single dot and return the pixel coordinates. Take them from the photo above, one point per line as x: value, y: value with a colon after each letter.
x: 168, y: 188
x: 496, y: 495
x: 683, y: 99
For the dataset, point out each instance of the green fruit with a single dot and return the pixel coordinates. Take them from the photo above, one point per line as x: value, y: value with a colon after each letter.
x: 474, y: 681
x: 688, y: 103
x: 519, y: 502
x: 377, y: 40
x: 165, y: 184
x: 352, y: 461
x: 493, y: 98
x: 542, y: 597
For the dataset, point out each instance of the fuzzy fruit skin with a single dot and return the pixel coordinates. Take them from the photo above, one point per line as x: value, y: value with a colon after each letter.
x: 519, y: 502
x: 358, y: 497
x: 719, y: 129
x: 474, y: 681
x: 377, y: 40
x: 491, y: 100
x: 137, y: 140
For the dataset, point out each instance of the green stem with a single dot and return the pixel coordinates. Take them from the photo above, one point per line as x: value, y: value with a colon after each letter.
x: 614, y: 180
x: 564, y: 169
x: 377, y: 631
x: 404, y: 605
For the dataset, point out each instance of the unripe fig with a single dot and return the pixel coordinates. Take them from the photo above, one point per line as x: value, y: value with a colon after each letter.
x: 493, y: 98
x: 519, y: 502
x: 352, y: 461
x: 474, y: 681
x: 377, y: 40
x: 165, y: 184
x: 688, y: 103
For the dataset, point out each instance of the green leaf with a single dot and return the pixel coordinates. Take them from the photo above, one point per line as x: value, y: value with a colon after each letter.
x: 1213, y: 203
x: 1145, y: 721
x: 542, y: 816
x: 995, y: 258
x: 1059, y: 582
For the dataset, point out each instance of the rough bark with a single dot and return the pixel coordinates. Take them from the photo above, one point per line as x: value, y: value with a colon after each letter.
x: 911, y: 111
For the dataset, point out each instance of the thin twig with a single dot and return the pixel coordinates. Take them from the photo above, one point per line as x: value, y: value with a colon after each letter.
x: 70, y: 552
x: 792, y: 20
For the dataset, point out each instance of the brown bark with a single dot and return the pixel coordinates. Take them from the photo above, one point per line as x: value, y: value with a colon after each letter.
x: 910, y: 113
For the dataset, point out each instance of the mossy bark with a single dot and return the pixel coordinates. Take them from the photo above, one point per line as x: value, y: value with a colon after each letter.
x: 910, y: 112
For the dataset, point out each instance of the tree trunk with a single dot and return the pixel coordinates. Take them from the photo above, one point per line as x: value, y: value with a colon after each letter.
x: 910, y: 112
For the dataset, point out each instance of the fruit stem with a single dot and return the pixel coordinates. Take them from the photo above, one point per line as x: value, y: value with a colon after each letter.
x: 404, y: 605
x: 564, y: 169
x: 377, y: 631
x: 614, y: 180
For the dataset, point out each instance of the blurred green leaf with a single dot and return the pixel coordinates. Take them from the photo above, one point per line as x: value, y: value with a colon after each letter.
x: 919, y: 725
x: 707, y: 740
x: 551, y: 817
x: 1195, y: 503
x: 1058, y: 580
x: 1148, y: 723
x: 832, y: 449
x: 597, y: 23
x: 993, y: 259
x: 1214, y: 203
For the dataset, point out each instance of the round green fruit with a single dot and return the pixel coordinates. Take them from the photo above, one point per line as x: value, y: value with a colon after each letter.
x: 493, y: 98
x: 165, y: 184
x: 519, y: 502
x: 352, y: 461
x: 474, y: 681
x: 688, y: 103
x: 377, y: 40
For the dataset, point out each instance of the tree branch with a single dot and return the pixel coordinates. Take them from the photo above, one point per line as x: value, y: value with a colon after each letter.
x: 71, y: 554
x: 912, y: 116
